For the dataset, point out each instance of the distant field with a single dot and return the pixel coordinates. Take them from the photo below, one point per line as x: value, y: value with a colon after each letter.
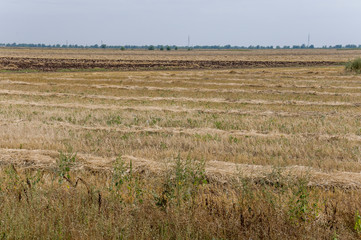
x: 80, y: 59
x: 303, y: 117
x: 200, y: 55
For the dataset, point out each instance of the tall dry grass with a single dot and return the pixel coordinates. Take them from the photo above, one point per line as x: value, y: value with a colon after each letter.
x: 182, y: 203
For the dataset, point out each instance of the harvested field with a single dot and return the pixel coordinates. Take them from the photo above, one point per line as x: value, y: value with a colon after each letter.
x: 259, y: 120
x: 244, y: 115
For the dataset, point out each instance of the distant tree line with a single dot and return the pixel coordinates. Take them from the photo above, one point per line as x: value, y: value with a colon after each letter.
x: 174, y: 47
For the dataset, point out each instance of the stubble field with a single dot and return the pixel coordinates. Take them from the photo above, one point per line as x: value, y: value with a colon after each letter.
x: 275, y: 145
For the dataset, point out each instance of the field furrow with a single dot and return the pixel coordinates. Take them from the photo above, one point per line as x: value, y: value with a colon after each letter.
x: 182, y: 99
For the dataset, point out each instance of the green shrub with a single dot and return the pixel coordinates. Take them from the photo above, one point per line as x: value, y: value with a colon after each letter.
x: 182, y: 182
x: 354, y: 66
x: 64, y: 164
x: 126, y: 185
x: 357, y: 226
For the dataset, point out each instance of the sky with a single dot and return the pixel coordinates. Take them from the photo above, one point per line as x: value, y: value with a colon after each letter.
x: 170, y: 22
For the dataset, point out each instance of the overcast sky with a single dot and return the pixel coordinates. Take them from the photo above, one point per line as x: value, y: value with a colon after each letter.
x: 169, y: 22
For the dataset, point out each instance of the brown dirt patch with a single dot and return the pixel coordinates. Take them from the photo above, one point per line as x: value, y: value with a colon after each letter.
x: 52, y: 64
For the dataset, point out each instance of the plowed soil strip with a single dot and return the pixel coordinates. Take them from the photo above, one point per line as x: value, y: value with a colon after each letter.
x: 216, y: 171
x: 183, y: 99
x: 54, y: 64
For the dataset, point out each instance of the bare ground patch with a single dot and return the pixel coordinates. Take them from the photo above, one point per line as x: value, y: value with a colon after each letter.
x: 54, y: 64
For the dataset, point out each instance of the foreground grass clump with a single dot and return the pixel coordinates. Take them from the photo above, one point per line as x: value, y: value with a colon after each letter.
x: 182, y: 203
x: 354, y: 66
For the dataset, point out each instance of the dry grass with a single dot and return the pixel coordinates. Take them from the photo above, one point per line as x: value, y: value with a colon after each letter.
x: 282, y: 116
x: 303, y: 121
x: 182, y: 202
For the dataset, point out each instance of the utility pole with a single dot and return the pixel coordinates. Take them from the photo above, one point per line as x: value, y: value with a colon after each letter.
x: 189, y: 42
x: 309, y: 38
